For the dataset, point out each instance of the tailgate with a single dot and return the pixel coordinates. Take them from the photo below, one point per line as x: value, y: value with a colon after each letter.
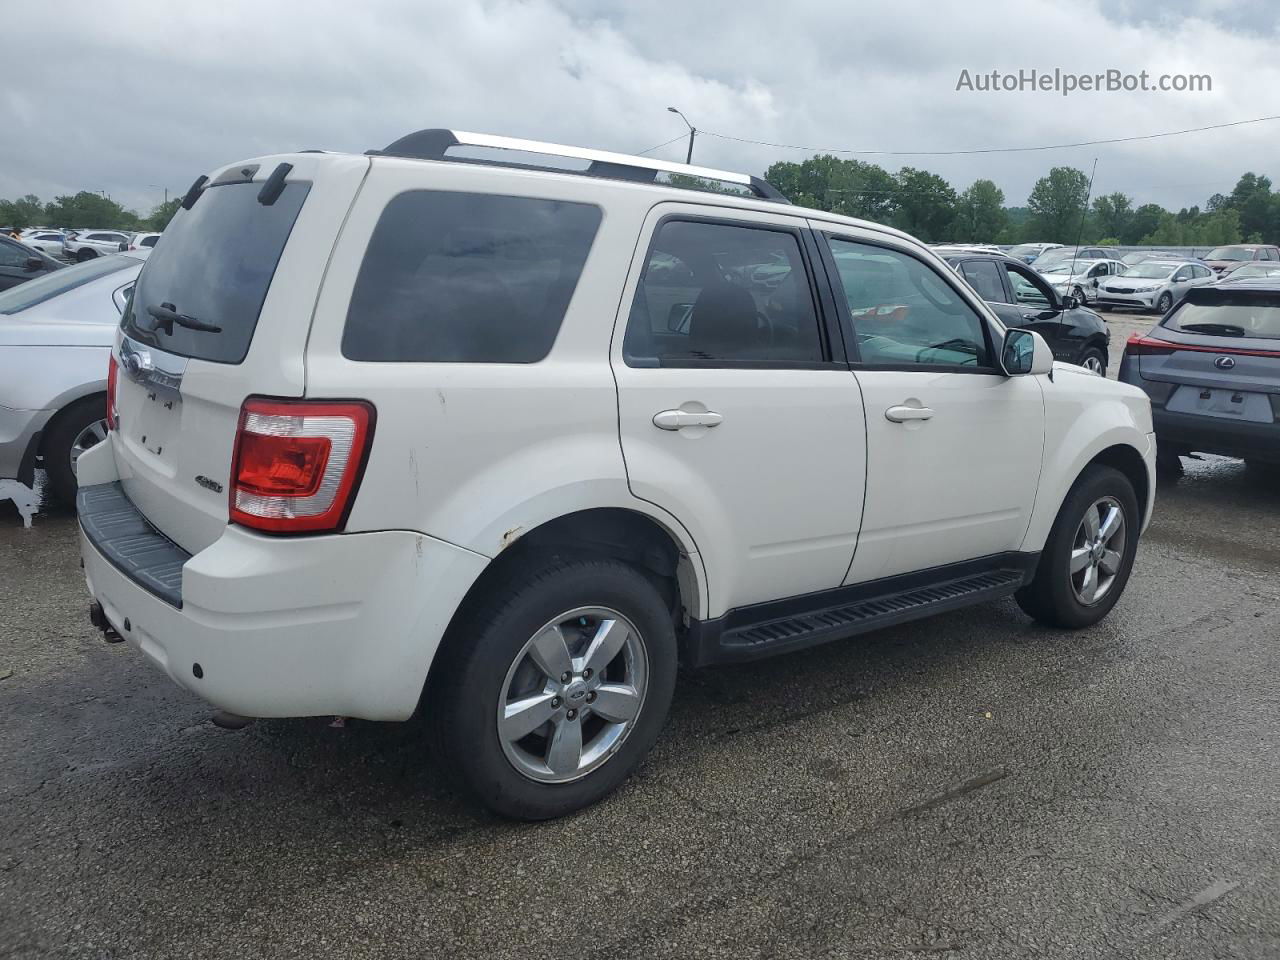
x: 251, y: 269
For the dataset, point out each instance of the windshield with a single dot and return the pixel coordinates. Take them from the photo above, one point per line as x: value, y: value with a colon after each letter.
x: 1238, y: 319
x: 1149, y: 271
x: 1230, y: 253
x: 1022, y: 249
x: 1068, y: 267
x: 216, y: 266
x: 1256, y: 270
x: 60, y: 281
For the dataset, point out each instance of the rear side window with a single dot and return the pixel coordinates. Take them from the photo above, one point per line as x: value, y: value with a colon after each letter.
x: 216, y: 265
x: 148, y: 241
x: 467, y: 278
x: 984, y: 277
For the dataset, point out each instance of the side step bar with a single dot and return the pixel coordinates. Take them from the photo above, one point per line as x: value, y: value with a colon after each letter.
x: 762, y: 630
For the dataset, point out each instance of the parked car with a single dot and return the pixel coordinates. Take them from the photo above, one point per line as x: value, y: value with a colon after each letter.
x: 20, y: 263
x: 94, y: 243
x: 1212, y: 370
x: 46, y: 241
x: 1139, y: 256
x: 1021, y: 297
x: 55, y: 342
x: 1080, y: 278
x: 1030, y: 252
x: 383, y: 438
x: 1068, y: 255
x: 1223, y: 260
x: 141, y: 241
x: 1153, y: 285
x: 1251, y: 271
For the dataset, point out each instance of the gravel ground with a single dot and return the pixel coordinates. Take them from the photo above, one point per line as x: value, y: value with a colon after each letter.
x: 969, y: 786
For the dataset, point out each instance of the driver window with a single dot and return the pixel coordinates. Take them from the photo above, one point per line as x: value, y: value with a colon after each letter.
x: 1183, y: 274
x: 715, y: 292
x: 904, y: 313
x: 1098, y: 271
x: 1027, y: 292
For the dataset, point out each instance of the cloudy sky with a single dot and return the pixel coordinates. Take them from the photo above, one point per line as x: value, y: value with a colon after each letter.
x: 132, y: 96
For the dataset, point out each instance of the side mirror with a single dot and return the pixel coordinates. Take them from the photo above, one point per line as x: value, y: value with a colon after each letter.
x: 33, y: 264
x: 1025, y: 352
x: 1069, y: 302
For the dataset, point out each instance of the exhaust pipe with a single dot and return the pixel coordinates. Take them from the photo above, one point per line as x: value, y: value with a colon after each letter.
x: 98, y: 617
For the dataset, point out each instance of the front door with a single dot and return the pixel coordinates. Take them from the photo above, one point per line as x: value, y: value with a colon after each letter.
x: 738, y: 415
x: 953, y: 445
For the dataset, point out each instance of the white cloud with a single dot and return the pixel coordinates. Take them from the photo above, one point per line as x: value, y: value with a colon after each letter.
x: 119, y: 96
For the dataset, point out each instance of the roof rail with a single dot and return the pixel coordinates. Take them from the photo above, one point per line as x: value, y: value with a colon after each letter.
x: 433, y: 144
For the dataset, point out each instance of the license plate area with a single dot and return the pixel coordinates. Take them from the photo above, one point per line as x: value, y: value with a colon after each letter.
x: 159, y: 420
x: 1223, y: 404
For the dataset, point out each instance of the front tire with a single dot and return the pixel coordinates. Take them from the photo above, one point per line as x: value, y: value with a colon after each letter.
x: 1165, y: 303
x: 554, y: 686
x: 1088, y: 557
x: 1078, y: 293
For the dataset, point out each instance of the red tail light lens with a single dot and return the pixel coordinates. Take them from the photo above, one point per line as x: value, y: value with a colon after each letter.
x: 298, y: 463
x: 113, y: 372
x: 1139, y: 345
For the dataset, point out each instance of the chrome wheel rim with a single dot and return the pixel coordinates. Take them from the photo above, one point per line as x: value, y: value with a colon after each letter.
x: 1098, y: 551
x: 573, y: 694
x: 1078, y: 293
x: 1093, y: 364
x: 86, y: 439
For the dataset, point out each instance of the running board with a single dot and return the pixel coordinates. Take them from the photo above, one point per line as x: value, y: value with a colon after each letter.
x: 762, y: 630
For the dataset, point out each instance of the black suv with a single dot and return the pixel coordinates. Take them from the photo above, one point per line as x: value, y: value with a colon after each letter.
x: 1023, y: 298
x: 20, y: 263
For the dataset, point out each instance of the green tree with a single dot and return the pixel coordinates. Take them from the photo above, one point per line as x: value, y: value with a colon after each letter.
x: 1144, y: 222
x: 926, y: 204
x: 1111, y: 215
x: 1057, y: 203
x: 848, y: 187
x: 87, y: 209
x: 162, y: 214
x: 980, y: 215
x: 21, y: 213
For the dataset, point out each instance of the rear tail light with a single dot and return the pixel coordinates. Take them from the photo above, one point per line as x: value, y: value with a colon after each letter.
x: 298, y: 463
x: 113, y: 373
x: 1140, y: 346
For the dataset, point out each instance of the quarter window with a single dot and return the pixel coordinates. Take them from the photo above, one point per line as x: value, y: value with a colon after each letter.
x: 454, y: 277
x: 715, y: 292
x: 904, y: 313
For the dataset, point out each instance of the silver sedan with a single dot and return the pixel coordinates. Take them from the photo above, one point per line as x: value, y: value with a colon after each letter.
x: 1080, y: 278
x: 1153, y: 284
x: 55, y: 341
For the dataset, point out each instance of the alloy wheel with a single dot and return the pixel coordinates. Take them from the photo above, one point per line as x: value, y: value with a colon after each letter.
x: 573, y: 694
x: 1097, y: 552
x: 89, y: 437
x: 1093, y: 363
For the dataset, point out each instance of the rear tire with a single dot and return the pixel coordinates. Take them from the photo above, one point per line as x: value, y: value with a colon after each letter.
x: 1095, y: 360
x: 77, y: 428
x: 86, y: 254
x: 1078, y: 549
x: 509, y: 647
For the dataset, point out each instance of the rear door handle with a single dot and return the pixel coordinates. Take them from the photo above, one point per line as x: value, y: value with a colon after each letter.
x: 675, y: 419
x: 901, y: 414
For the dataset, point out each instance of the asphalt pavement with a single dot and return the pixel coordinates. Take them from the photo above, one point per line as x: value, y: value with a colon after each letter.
x: 969, y: 786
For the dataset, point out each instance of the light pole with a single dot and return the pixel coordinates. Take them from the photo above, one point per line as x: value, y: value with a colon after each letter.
x: 165, y: 189
x: 693, y: 132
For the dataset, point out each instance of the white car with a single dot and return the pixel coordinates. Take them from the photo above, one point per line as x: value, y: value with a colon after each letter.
x: 88, y: 244
x: 1153, y: 284
x: 55, y: 340
x: 143, y: 241
x: 46, y: 241
x: 394, y: 432
x: 1080, y: 278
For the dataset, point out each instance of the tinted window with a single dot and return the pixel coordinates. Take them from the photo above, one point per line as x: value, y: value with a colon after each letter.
x: 903, y: 312
x: 1026, y: 290
x: 714, y: 291
x: 216, y: 266
x: 467, y: 278
x: 14, y: 255
x: 148, y: 241
x: 59, y: 281
x: 1245, y: 317
x: 984, y: 277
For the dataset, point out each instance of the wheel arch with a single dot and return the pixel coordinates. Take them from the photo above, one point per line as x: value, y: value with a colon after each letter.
x: 65, y: 405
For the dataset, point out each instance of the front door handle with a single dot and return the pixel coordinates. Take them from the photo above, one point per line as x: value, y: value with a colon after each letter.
x: 675, y: 419
x: 901, y: 414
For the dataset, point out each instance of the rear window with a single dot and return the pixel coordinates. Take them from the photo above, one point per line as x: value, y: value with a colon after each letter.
x: 1243, y: 317
x: 148, y: 241
x: 216, y: 265
x: 33, y: 292
x: 466, y: 277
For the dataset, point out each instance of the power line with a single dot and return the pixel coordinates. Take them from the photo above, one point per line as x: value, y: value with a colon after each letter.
x: 954, y: 153
x: 663, y: 144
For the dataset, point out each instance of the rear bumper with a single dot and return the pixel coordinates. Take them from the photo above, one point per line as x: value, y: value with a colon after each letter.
x: 1230, y: 438
x: 19, y: 436
x: 344, y: 625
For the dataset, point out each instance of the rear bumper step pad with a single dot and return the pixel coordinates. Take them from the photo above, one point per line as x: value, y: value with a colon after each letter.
x: 119, y: 531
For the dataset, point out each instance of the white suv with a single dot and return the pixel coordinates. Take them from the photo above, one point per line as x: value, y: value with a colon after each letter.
x: 504, y: 442
x: 88, y: 244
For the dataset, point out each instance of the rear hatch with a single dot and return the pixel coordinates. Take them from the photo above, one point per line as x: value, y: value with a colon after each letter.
x: 221, y: 311
x: 1216, y: 355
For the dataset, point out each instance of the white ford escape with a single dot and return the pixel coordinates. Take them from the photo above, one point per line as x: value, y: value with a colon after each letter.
x: 504, y: 430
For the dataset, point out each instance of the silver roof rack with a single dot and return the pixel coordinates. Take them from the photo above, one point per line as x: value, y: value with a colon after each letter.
x: 434, y: 144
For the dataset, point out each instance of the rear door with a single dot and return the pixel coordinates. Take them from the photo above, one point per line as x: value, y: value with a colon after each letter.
x: 252, y: 270
x: 737, y: 412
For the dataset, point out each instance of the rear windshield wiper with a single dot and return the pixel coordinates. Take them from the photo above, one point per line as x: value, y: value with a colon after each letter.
x: 1222, y: 329
x: 167, y: 315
